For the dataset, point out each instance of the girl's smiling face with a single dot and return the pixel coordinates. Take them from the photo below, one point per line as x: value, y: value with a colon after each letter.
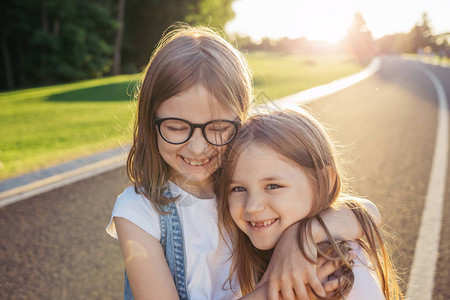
x: 267, y: 195
x: 193, y: 162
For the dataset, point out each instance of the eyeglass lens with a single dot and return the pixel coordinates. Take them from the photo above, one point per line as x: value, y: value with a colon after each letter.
x: 178, y: 131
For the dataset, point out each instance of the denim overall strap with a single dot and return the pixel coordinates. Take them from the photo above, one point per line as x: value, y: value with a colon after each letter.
x: 172, y: 241
x: 127, y: 293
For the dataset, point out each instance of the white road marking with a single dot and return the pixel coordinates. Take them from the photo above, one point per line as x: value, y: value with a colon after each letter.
x: 60, y: 180
x: 421, y: 277
x: 332, y: 87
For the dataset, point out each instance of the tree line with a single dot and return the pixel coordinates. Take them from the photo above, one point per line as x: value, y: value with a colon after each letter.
x: 51, y: 41
x: 359, y: 42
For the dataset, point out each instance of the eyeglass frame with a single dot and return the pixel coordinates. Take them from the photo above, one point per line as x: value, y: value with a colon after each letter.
x: 236, y: 125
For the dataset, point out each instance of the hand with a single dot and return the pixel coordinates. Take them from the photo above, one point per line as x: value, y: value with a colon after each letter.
x: 325, y: 268
x: 289, y: 271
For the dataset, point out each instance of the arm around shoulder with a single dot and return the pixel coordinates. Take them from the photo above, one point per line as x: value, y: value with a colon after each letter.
x: 144, y: 259
x: 258, y: 293
x: 343, y: 223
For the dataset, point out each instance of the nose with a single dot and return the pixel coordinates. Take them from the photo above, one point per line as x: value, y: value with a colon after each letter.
x: 197, y: 143
x: 254, y: 203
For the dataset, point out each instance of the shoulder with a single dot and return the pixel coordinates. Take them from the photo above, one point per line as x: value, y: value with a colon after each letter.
x: 137, y: 209
x: 366, y: 284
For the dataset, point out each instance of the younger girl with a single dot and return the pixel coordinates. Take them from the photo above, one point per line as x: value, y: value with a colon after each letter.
x: 195, y: 92
x: 281, y: 169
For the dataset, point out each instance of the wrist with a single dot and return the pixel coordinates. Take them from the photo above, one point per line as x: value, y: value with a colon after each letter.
x: 317, y: 231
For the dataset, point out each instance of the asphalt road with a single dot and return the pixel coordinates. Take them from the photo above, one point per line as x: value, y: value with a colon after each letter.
x: 54, y: 246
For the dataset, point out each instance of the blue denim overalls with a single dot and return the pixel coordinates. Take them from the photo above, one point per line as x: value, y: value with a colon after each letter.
x: 172, y: 242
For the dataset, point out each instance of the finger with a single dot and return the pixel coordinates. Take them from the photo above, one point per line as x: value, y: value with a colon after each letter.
x: 320, y: 261
x: 331, y: 285
x: 287, y: 292
x: 300, y: 291
x: 316, y: 285
x: 310, y: 293
x: 326, y: 270
x: 351, y: 255
x: 273, y: 291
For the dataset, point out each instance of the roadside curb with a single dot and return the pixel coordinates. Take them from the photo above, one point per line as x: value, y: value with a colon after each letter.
x: 332, y: 87
x: 22, y: 187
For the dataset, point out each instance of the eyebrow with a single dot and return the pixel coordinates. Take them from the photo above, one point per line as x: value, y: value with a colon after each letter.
x: 271, y: 178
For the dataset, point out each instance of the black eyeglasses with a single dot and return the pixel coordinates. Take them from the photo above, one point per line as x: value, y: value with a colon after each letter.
x: 178, y: 131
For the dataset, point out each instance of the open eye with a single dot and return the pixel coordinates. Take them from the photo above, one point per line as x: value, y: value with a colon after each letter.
x: 238, y: 189
x: 273, y: 186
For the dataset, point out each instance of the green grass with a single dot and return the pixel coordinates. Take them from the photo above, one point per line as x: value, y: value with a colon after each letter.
x: 43, y: 126
x: 430, y: 59
x: 279, y: 75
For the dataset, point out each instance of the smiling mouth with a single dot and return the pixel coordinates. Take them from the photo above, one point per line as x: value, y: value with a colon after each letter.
x: 197, y: 163
x: 262, y: 223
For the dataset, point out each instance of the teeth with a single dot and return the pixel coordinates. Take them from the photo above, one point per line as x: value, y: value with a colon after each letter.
x: 262, y: 224
x: 196, y: 163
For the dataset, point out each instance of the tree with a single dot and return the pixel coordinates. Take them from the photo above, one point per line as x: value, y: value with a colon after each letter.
x: 145, y: 21
x: 394, y: 43
x: 119, y: 37
x: 215, y: 13
x: 5, y: 52
x: 51, y: 41
x: 359, y: 39
x: 421, y: 35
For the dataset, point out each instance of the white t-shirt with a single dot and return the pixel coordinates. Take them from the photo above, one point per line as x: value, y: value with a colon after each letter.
x: 207, y: 256
x: 366, y: 285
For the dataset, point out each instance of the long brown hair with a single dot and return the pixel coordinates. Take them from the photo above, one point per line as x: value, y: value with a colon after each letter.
x: 298, y: 137
x: 185, y: 56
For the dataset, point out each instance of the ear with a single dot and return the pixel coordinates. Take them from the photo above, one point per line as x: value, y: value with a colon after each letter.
x: 331, y: 173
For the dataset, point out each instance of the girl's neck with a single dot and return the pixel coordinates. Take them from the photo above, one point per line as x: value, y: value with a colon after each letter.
x: 201, y: 190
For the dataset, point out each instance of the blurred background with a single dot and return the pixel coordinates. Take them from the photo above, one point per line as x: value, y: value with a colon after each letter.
x: 51, y: 41
x: 48, y: 43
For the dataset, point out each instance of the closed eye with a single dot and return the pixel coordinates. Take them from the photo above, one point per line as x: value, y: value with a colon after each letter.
x: 177, y: 128
x: 238, y: 189
x: 273, y: 186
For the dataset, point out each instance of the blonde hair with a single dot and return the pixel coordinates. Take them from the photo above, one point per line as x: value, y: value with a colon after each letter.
x: 184, y: 57
x: 299, y: 138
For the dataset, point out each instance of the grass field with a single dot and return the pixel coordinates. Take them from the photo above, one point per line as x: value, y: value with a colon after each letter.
x: 44, y: 126
x: 280, y: 75
x: 429, y: 59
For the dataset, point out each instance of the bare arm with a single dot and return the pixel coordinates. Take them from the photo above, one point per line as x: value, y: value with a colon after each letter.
x: 342, y: 223
x: 289, y: 271
x: 146, y: 266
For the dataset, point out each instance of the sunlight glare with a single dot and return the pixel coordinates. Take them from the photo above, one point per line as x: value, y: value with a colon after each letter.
x: 328, y: 20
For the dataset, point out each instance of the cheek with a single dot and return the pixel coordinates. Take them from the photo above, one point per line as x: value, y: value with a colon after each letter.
x: 297, y: 210
x: 167, y: 151
x: 220, y: 153
x: 235, y: 209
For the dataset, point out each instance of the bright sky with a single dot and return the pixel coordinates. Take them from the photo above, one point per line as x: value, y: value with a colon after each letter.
x: 329, y: 20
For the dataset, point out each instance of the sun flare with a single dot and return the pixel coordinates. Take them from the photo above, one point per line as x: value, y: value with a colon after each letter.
x: 328, y: 20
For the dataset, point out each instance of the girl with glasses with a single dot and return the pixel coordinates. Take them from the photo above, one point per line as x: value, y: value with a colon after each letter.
x: 195, y: 92
x: 281, y: 169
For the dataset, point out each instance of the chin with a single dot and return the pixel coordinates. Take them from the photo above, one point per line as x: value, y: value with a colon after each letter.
x: 263, y: 246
